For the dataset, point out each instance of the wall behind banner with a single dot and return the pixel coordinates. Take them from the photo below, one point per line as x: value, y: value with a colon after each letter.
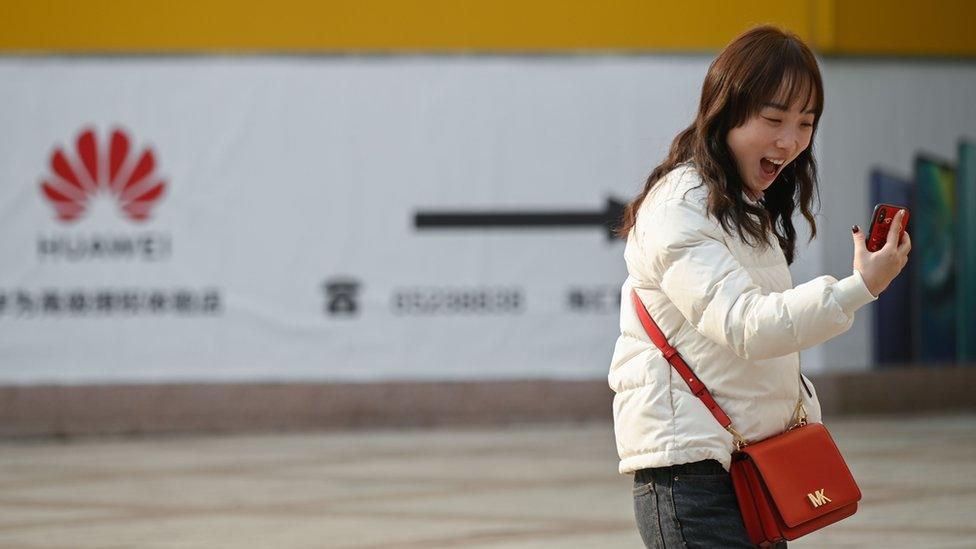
x: 277, y: 230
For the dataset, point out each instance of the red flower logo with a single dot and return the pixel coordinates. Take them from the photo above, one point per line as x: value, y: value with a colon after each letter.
x: 128, y: 178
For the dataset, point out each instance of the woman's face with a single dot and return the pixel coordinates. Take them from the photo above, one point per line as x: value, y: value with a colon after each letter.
x: 765, y: 143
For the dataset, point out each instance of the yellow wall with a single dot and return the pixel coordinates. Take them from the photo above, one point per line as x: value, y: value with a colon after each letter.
x: 893, y: 27
x: 941, y: 27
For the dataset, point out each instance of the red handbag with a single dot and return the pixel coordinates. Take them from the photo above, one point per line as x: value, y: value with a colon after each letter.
x: 787, y: 485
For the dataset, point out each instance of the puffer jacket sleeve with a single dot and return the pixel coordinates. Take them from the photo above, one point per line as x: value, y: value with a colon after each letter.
x: 687, y: 253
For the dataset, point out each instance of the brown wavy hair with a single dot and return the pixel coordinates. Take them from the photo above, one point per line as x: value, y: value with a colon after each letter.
x: 763, y: 65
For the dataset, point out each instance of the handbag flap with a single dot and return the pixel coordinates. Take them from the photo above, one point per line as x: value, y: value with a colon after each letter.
x: 804, y: 473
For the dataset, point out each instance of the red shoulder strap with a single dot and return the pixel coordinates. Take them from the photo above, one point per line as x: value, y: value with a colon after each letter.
x: 671, y: 354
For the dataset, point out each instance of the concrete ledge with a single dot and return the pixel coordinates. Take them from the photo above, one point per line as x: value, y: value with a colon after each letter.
x: 56, y: 410
x: 52, y: 410
x: 934, y: 388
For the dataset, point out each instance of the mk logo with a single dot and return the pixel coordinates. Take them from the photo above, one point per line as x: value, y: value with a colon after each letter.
x: 818, y: 498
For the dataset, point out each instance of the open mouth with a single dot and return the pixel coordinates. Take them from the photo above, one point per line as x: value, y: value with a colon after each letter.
x: 770, y: 167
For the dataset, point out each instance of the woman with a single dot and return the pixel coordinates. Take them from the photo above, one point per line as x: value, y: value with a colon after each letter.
x: 709, y: 241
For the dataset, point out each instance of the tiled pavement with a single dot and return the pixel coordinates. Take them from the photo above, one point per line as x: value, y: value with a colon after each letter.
x: 512, y: 487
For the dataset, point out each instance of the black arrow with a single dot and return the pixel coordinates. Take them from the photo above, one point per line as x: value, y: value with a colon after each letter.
x: 609, y: 219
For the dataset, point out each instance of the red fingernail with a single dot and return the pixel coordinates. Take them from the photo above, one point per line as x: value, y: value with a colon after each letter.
x: 855, y: 229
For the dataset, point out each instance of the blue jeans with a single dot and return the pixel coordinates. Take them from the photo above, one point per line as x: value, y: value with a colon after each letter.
x: 691, y: 505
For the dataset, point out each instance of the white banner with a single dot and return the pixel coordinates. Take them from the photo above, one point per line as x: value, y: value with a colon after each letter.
x: 335, y: 218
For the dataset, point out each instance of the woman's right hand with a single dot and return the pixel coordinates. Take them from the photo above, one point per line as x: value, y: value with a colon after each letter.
x: 879, y: 268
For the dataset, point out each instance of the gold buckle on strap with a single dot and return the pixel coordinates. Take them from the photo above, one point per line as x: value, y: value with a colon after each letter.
x: 799, y: 416
x: 738, y: 440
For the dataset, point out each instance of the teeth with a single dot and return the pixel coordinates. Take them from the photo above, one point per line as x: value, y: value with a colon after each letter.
x: 777, y: 162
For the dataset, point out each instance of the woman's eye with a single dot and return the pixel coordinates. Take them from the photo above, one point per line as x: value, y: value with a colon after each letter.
x: 807, y: 125
x: 773, y: 120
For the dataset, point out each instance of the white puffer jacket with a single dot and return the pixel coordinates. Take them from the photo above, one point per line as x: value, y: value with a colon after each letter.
x: 732, y: 312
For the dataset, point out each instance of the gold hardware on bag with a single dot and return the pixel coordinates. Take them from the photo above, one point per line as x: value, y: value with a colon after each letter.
x: 737, y: 439
x: 818, y: 498
x: 799, y: 416
x: 799, y: 413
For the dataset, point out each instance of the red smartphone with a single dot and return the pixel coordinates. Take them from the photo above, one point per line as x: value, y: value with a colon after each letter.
x: 881, y: 223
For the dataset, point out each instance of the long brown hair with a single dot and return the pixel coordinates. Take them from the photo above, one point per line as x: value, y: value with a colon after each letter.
x: 755, y: 68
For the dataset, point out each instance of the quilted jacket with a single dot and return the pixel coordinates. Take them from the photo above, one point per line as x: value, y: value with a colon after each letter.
x: 732, y: 312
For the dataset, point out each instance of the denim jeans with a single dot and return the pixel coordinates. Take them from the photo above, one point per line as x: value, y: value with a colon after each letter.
x: 690, y: 505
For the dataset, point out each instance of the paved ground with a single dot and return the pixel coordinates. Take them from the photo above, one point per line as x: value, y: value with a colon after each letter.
x: 517, y: 487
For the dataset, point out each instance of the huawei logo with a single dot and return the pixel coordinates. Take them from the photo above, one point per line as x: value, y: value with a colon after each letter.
x: 97, y: 168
